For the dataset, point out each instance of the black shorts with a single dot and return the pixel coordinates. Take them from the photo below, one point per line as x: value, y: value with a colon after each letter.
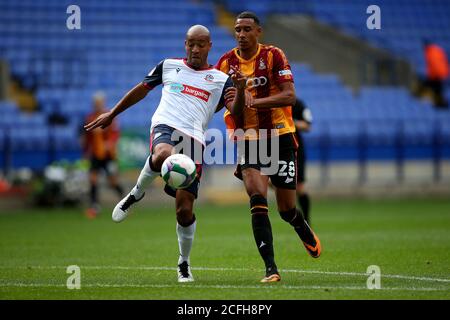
x: 108, y: 165
x: 183, y: 144
x: 282, y: 166
x: 301, y: 161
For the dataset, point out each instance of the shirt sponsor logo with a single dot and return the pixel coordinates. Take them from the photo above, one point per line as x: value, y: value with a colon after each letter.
x: 196, y: 92
x: 192, y: 91
x: 176, y: 87
x: 285, y: 73
x: 256, y: 82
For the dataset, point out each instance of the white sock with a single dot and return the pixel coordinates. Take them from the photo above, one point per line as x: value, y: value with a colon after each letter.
x: 185, y: 240
x: 146, y: 177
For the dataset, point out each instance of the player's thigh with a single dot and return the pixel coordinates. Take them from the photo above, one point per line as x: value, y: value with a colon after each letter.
x: 255, y: 182
x: 286, y: 199
x: 160, y: 153
x: 300, y: 188
x: 285, y: 180
x: 286, y: 175
x: 161, y: 144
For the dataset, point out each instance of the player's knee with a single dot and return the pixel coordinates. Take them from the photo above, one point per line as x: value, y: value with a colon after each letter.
x: 185, y: 216
x: 258, y: 204
x: 159, y: 156
x: 254, y: 183
x: 289, y: 215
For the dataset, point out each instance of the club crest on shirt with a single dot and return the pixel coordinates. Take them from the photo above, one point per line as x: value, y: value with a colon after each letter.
x: 262, y: 65
x: 209, y: 78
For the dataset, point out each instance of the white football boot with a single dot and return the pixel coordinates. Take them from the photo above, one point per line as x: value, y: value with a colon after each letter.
x: 184, y: 272
x: 122, y: 209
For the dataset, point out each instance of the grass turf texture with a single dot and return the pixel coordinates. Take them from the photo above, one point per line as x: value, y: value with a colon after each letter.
x: 136, y: 259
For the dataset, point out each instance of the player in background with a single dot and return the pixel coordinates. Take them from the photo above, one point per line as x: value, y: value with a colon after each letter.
x: 437, y: 72
x: 100, y: 147
x: 270, y: 96
x: 302, y: 119
x: 192, y: 91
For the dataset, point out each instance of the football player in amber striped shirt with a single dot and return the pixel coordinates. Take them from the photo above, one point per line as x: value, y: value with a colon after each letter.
x: 269, y: 100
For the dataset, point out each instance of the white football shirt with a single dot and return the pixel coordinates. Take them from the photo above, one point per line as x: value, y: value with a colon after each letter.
x: 189, y: 97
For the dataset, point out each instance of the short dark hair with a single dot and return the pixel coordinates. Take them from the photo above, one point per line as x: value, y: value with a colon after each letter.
x: 248, y: 15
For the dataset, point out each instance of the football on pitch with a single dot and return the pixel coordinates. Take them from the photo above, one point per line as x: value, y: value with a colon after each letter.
x: 178, y: 171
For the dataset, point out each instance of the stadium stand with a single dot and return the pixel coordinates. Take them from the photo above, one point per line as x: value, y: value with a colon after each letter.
x: 119, y: 42
x: 404, y: 23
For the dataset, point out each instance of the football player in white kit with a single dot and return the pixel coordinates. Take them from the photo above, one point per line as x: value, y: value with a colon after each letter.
x: 192, y: 92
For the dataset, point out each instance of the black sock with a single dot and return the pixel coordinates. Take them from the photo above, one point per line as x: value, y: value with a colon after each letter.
x: 305, y: 204
x: 93, y: 194
x: 262, y: 231
x: 296, y: 219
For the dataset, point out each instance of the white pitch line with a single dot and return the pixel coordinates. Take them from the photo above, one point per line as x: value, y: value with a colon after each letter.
x: 197, y: 286
x: 392, y: 276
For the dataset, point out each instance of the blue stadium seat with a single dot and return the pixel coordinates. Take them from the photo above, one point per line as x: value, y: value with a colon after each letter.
x: 119, y: 44
x: 29, y: 138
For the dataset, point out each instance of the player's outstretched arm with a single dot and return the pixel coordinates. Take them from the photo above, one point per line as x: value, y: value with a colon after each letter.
x: 279, y: 100
x: 132, y: 97
x: 286, y: 97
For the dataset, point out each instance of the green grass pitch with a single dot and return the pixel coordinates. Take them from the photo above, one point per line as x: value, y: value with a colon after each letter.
x: 408, y: 239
